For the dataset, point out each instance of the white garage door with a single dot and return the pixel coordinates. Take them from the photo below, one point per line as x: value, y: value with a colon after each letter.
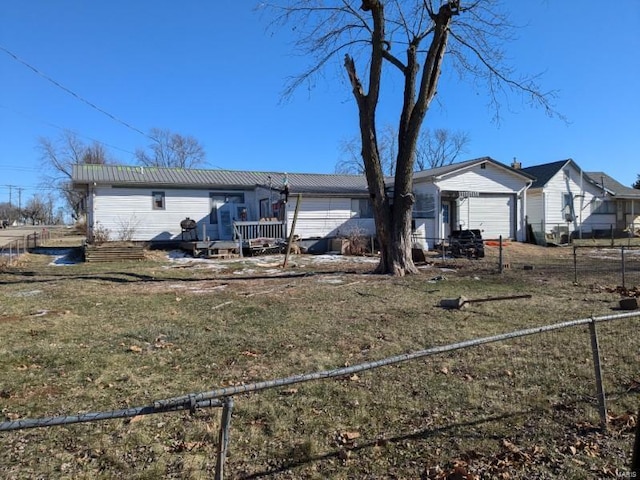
x: 493, y: 214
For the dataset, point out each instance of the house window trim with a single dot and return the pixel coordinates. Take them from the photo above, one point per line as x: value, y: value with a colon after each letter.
x: 358, y: 212
x: 163, y: 199
x: 596, y: 207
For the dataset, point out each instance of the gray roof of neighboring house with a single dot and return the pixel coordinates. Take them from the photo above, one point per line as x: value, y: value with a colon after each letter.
x: 544, y: 173
x: 440, y: 171
x: 619, y: 190
x: 124, y: 175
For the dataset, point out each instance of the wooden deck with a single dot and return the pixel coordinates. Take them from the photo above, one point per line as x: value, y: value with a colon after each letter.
x: 212, y: 249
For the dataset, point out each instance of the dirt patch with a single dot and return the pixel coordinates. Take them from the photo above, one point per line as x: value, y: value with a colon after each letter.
x: 10, y: 318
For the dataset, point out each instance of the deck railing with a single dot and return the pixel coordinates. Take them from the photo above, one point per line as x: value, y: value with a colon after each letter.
x: 260, y: 229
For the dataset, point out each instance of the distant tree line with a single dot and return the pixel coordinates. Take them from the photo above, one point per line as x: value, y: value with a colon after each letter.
x: 40, y: 209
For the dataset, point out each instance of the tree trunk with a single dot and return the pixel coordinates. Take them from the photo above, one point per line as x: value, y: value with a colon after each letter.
x: 393, y: 214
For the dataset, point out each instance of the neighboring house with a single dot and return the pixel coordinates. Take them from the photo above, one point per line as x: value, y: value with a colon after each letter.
x: 564, y: 202
x: 477, y: 194
x: 625, y: 216
x: 149, y: 203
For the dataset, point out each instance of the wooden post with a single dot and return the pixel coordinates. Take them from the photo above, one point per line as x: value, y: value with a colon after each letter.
x: 293, y: 229
x: 223, y: 439
x: 623, y: 266
x: 575, y: 264
x: 602, y: 400
x: 500, y: 259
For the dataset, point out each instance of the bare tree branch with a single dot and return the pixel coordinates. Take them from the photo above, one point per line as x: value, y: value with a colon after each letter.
x: 171, y: 150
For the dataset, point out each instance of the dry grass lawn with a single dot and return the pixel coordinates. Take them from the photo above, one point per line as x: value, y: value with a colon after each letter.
x: 98, y: 337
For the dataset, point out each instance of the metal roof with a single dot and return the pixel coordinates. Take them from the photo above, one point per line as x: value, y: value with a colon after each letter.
x: 123, y: 175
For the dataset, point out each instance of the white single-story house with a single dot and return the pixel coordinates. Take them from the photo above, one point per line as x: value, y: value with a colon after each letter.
x: 481, y: 194
x: 564, y: 202
x: 149, y: 203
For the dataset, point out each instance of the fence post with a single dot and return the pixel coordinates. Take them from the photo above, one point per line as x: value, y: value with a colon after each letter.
x: 500, y: 259
x: 575, y: 264
x: 602, y: 400
x: 611, y: 233
x: 223, y: 439
x: 635, y: 459
x: 623, y: 266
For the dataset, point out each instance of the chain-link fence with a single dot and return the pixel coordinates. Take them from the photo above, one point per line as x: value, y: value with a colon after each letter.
x: 11, y: 252
x: 563, y: 382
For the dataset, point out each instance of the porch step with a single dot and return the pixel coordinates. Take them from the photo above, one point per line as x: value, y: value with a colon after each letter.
x: 113, y: 252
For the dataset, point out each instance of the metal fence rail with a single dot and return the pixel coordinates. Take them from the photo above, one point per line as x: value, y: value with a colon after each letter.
x: 223, y: 397
x: 15, y: 248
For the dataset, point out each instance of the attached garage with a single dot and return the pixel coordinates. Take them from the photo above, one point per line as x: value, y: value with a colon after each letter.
x: 478, y: 194
x: 493, y: 214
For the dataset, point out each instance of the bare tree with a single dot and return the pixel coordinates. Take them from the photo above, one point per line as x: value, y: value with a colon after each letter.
x: 440, y: 147
x: 351, y: 159
x: 170, y: 149
x: 412, y: 37
x: 8, y: 213
x: 37, y: 210
x: 435, y: 148
x: 58, y: 157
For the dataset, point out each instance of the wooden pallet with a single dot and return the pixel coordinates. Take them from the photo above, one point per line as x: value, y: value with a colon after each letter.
x: 113, y: 253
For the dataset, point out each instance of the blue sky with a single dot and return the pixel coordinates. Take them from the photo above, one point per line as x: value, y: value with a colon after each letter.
x: 211, y: 70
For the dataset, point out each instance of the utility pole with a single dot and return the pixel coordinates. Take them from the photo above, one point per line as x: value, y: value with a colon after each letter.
x: 20, y: 203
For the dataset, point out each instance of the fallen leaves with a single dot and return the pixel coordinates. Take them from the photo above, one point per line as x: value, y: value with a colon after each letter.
x: 249, y: 353
x: 347, y: 438
x: 501, y: 465
x: 159, y: 343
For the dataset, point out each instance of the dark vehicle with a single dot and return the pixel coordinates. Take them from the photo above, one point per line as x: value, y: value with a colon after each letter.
x: 4, y: 223
x: 466, y: 243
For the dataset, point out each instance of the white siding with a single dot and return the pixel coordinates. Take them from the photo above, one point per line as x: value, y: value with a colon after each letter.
x: 427, y: 233
x: 583, y: 193
x: 491, y: 179
x: 535, y: 209
x: 327, y: 217
x: 120, y: 209
x: 493, y: 206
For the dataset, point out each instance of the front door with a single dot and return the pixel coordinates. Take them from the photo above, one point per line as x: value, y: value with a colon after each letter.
x: 225, y: 209
x: 446, y: 219
x: 227, y: 214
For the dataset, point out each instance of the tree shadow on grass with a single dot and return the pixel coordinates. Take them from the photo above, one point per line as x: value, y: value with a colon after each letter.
x: 417, y: 436
x: 130, y: 277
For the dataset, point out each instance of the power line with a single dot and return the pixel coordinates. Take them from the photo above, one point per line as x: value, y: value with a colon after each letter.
x: 71, y: 92
x: 67, y: 129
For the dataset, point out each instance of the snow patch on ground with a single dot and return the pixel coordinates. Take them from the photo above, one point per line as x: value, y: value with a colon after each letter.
x: 63, y: 257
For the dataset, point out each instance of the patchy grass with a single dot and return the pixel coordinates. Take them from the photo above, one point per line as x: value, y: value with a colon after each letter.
x: 97, y: 337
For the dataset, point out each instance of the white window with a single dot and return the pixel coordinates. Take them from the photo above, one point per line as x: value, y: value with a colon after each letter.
x: 425, y: 206
x: 361, y: 208
x: 603, y: 207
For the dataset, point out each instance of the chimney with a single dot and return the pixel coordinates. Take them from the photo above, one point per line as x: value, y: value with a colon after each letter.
x: 516, y: 164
